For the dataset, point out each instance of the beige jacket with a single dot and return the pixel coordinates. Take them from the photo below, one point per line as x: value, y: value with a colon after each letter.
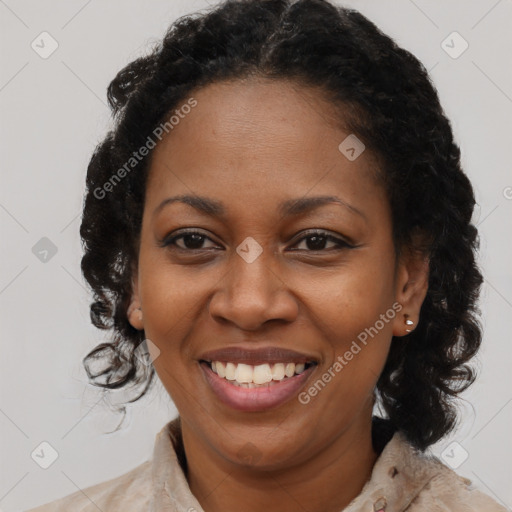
x: 402, y: 479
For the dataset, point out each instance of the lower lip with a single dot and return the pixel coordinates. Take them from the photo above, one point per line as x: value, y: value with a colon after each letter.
x: 255, y: 399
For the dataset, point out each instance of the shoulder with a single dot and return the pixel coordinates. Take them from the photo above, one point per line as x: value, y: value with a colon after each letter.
x: 447, y: 490
x: 130, y: 491
x: 408, y: 480
x: 437, y: 487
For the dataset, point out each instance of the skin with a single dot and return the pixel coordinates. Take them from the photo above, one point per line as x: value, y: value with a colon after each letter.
x: 251, y: 144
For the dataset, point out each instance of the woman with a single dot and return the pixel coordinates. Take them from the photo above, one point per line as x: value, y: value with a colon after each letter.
x: 280, y: 217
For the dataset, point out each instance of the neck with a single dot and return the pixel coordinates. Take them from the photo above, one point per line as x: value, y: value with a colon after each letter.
x: 327, y: 482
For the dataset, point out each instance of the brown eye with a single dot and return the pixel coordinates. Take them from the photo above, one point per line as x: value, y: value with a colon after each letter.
x: 187, y: 241
x: 318, y: 240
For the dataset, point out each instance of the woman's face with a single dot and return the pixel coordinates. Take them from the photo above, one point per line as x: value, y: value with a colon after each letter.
x: 255, y: 283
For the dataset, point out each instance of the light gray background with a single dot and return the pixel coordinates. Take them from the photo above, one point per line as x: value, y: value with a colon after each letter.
x: 53, y: 113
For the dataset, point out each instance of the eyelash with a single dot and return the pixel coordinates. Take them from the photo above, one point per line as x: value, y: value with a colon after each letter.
x: 167, y: 242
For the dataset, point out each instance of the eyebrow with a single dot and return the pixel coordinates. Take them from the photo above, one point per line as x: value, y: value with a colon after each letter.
x: 290, y: 207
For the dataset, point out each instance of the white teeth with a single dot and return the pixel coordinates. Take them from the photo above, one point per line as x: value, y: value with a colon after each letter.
x: 244, y: 373
x: 248, y: 376
x: 221, y: 369
x: 278, y: 371
x: 262, y: 374
x: 289, y: 369
x: 230, y: 371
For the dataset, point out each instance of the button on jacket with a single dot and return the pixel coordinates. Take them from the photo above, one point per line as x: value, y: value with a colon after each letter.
x: 402, y: 480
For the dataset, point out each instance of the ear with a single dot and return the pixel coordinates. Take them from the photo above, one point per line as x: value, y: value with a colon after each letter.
x: 411, y: 286
x: 134, y: 311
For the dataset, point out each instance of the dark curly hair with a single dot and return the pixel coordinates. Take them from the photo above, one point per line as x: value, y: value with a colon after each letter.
x: 388, y: 101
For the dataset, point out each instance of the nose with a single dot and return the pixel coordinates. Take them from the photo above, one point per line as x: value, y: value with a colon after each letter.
x: 252, y: 294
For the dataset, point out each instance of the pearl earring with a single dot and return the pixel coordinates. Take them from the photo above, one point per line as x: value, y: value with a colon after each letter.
x: 408, y: 322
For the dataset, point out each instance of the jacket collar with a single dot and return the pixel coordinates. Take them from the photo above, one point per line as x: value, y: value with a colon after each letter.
x: 397, y: 477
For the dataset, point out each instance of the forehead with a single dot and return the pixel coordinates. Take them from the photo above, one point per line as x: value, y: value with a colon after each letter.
x: 247, y: 112
x: 259, y: 140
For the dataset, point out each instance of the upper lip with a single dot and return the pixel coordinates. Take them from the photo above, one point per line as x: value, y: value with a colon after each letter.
x: 256, y: 356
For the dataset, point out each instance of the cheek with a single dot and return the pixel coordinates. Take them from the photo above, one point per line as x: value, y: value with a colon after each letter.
x: 165, y: 299
x: 351, y: 299
x: 353, y: 312
x: 355, y: 317
x: 174, y: 298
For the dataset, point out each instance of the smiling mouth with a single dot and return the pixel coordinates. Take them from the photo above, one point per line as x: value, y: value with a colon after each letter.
x: 256, y: 376
x: 256, y: 388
